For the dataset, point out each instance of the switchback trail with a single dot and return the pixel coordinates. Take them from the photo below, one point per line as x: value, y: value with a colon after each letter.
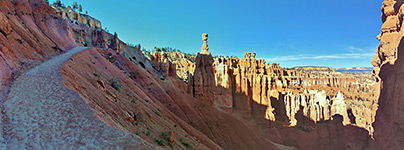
x: 41, y: 113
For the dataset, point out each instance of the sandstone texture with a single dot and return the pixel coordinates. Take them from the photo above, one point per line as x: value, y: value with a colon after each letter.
x: 76, y: 17
x: 319, y: 91
x: 388, y: 69
x: 118, y: 96
x: 203, y: 80
x: 150, y: 100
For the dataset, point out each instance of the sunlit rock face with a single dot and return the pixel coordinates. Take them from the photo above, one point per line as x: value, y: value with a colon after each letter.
x: 74, y: 17
x: 203, y: 81
x: 317, y: 92
x: 339, y: 107
x: 316, y: 106
x: 388, y: 70
x: 245, y: 85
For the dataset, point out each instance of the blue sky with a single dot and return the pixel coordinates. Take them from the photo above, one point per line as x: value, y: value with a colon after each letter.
x: 293, y: 33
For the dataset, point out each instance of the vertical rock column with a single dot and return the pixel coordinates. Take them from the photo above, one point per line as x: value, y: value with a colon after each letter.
x: 204, y: 77
x: 388, y: 71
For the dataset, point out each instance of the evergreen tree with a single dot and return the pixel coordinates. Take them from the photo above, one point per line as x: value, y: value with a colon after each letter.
x: 74, y: 5
x: 80, y: 8
x: 57, y: 3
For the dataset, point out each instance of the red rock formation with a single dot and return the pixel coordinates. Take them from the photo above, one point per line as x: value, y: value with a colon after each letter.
x: 99, y: 39
x: 159, y: 105
x: 388, y: 71
x: 203, y: 81
x: 30, y: 32
x: 115, y: 43
x: 249, y: 80
x: 247, y: 86
x: 75, y: 17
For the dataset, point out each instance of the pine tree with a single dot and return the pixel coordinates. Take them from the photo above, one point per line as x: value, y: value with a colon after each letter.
x: 74, y: 5
x: 80, y: 8
x: 57, y: 3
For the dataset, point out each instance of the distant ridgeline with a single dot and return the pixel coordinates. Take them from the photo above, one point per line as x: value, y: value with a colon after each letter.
x: 365, y: 70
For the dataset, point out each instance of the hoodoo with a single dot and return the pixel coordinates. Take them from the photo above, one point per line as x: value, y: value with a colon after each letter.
x: 203, y: 83
x: 67, y: 83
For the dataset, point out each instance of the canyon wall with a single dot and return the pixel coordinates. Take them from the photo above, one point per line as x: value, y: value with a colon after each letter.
x: 319, y: 91
x: 293, y: 105
x: 76, y: 17
x: 306, y: 108
x: 388, y: 71
x: 151, y: 82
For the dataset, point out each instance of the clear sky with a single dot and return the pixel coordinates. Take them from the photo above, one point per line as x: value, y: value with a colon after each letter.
x: 293, y: 32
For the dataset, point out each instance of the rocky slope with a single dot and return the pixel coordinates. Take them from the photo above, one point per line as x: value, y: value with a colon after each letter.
x: 141, y: 96
x: 226, y: 103
x: 40, y: 106
x: 31, y: 32
x: 144, y: 103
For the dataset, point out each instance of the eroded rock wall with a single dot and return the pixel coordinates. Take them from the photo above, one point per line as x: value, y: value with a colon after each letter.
x: 388, y: 70
x: 249, y: 83
x: 75, y: 17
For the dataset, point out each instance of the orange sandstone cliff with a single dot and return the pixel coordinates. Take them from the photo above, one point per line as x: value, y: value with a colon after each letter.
x: 225, y: 103
x: 388, y: 63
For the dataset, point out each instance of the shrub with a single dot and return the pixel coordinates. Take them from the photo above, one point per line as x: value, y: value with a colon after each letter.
x: 80, y: 8
x: 164, y: 136
x: 58, y: 3
x: 186, y: 144
x: 74, y: 5
x: 159, y: 142
x: 57, y: 48
x: 148, y: 133
x: 115, y: 83
x: 19, y: 41
x: 98, y: 75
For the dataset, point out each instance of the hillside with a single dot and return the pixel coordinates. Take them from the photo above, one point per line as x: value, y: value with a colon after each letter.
x: 66, y: 83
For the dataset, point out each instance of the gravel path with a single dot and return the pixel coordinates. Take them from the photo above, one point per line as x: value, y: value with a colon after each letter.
x: 41, y: 113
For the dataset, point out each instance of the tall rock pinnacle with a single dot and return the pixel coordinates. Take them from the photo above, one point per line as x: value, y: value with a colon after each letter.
x: 205, y: 47
x: 203, y: 84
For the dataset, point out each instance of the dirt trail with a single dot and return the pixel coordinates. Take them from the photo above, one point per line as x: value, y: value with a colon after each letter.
x: 41, y: 113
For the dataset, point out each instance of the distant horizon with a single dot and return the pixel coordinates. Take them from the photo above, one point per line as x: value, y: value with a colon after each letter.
x: 292, y: 33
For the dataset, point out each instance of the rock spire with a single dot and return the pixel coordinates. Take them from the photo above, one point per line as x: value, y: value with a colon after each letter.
x: 205, y: 47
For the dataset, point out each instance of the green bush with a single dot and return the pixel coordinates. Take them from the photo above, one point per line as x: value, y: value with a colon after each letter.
x: 98, y: 75
x: 159, y: 142
x: 115, y: 83
x: 148, y: 133
x: 186, y: 144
